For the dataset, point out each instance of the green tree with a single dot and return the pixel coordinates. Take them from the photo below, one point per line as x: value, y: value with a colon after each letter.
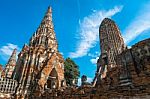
x: 72, y: 72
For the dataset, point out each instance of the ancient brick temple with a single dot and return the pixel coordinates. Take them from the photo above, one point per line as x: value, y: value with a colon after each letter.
x: 40, y: 65
x: 7, y: 83
x: 111, y: 44
x: 10, y: 65
x: 111, y: 41
x: 122, y: 73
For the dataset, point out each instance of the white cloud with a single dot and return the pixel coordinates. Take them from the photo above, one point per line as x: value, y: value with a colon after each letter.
x: 94, y: 60
x: 6, y: 51
x: 88, y: 80
x: 129, y: 47
x: 94, y: 57
x: 140, y: 24
x: 89, y: 31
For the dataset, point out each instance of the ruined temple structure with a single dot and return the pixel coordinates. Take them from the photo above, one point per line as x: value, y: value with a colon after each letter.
x: 122, y: 73
x: 10, y: 65
x: 111, y: 44
x: 40, y: 66
x: 7, y: 84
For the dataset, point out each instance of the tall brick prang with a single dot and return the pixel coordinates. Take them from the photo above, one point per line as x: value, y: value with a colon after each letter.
x: 111, y: 41
x: 111, y: 45
x: 40, y: 66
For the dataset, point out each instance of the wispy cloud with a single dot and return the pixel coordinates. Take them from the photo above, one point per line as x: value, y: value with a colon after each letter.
x: 88, y: 31
x: 140, y: 24
x: 6, y: 51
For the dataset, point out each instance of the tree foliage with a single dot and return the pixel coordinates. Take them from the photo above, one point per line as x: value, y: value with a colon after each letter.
x: 71, y: 71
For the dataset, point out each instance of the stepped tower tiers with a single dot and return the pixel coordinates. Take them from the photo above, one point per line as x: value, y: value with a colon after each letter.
x: 45, y: 35
x: 40, y: 66
x: 111, y: 45
x: 10, y: 65
x: 111, y: 41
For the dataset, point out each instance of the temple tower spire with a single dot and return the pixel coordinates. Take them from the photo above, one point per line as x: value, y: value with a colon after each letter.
x: 40, y: 65
x: 10, y: 65
x: 111, y: 41
x: 111, y: 45
x: 45, y: 35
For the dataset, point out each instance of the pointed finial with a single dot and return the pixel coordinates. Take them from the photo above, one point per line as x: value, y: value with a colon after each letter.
x: 48, y: 15
x: 49, y: 10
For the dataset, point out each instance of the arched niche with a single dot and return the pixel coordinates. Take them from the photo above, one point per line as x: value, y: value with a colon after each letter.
x: 52, y: 81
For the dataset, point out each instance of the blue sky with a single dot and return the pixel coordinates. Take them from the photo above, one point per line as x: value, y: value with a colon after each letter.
x: 76, y: 24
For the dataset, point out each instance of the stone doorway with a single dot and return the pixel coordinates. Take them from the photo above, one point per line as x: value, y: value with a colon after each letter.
x: 52, y: 81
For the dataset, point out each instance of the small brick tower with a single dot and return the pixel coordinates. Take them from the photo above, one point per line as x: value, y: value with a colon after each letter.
x: 10, y: 65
